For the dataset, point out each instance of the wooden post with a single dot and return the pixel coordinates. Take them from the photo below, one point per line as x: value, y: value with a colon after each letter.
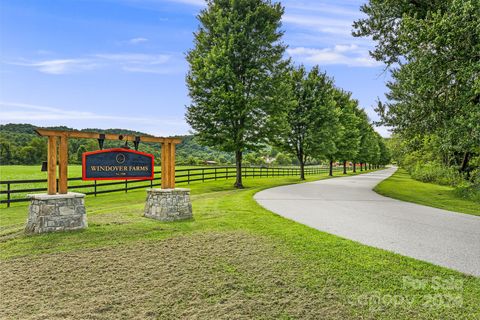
x: 52, y: 165
x: 172, y: 165
x: 63, y: 165
x: 167, y: 157
x: 166, y: 165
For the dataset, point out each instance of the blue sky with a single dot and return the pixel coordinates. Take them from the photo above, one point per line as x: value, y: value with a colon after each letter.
x: 121, y: 63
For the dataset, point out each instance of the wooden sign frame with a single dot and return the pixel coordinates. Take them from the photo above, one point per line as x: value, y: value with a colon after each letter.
x: 86, y: 154
x: 61, y: 137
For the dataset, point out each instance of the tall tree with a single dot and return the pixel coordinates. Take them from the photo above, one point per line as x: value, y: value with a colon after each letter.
x: 365, y: 130
x: 385, y: 154
x: 311, y: 116
x: 5, y: 153
x: 384, y: 19
x: 348, y: 134
x: 435, y: 88
x: 235, y: 78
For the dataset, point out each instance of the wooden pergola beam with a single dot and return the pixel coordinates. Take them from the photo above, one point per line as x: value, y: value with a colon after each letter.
x: 96, y: 135
x: 168, y: 155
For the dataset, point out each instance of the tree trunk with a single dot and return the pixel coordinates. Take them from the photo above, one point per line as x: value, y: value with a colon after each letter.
x: 466, y: 158
x: 330, y: 172
x: 344, y: 167
x: 302, y: 170
x: 354, y: 166
x: 361, y: 166
x: 238, y: 161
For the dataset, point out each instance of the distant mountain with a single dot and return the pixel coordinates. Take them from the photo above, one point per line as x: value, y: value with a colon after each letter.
x: 19, y: 144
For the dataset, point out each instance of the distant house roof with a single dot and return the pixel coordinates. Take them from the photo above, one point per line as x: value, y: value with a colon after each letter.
x: 210, y: 162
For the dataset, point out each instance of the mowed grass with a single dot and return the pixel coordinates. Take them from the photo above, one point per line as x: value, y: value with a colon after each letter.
x: 403, y: 187
x: 233, y: 260
x: 33, y: 172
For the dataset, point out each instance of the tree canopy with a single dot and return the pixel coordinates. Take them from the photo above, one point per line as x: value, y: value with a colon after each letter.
x: 236, y: 75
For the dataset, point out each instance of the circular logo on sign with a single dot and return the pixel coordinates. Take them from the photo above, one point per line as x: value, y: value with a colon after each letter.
x: 120, y: 158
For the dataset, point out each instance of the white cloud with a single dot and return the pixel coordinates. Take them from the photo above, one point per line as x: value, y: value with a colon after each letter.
x: 323, y: 8
x: 135, y: 58
x: 137, y: 40
x: 22, y: 112
x: 320, y: 24
x: 350, y: 55
x: 129, y: 62
x: 191, y: 2
x: 148, y: 70
x: 59, y: 66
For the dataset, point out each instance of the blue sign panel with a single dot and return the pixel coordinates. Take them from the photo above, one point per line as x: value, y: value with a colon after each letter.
x: 117, y: 164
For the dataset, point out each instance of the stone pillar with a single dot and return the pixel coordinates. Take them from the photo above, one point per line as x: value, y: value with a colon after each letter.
x: 168, y: 204
x: 58, y: 212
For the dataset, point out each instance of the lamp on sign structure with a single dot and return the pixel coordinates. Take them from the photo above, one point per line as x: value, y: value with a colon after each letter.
x: 101, y: 140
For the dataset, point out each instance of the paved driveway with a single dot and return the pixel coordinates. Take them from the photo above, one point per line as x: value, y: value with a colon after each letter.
x: 348, y: 207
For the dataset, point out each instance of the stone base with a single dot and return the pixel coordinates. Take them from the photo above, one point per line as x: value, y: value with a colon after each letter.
x: 168, y: 204
x: 59, y: 212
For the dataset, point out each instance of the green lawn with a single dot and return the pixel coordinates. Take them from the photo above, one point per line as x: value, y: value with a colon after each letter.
x: 32, y: 172
x: 233, y: 260
x: 401, y: 186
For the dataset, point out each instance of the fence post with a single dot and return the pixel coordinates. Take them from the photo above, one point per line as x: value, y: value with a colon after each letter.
x: 215, y: 174
x: 8, y: 195
x: 203, y: 175
x: 95, y: 187
x: 126, y: 186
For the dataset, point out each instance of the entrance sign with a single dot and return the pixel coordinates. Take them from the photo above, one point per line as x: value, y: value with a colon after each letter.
x: 58, y: 153
x: 117, y: 164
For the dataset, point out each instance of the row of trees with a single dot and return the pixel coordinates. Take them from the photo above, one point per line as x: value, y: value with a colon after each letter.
x: 245, y: 94
x: 433, y: 105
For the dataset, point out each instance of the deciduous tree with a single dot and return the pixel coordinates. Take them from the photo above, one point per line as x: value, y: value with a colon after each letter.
x: 311, y: 120
x: 235, y: 78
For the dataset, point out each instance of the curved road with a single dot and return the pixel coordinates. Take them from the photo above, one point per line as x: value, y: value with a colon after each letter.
x: 348, y: 207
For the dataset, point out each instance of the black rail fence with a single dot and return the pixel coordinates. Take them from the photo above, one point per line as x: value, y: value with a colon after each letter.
x: 11, y: 193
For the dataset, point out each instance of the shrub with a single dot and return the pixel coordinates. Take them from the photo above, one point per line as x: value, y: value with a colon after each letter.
x: 468, y: 191
x: 436, y: 173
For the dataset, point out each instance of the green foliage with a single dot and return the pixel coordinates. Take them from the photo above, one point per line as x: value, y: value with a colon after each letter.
x: 368, y: 151
x: 437, y: 173
x: 384, y: 19
x: 5, y: 152
x: 20, y: 145
x: 283, y: 159
x: 311, y: 118
x: 423, y: 159
x: 434, y: 93
x: 403, y: 187
x: 235, y: 76
x: 348, y: 134
x: 328, y: 269
x: 80, y: 152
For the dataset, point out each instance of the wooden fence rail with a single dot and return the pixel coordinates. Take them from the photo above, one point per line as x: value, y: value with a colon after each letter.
x: 182, y: 176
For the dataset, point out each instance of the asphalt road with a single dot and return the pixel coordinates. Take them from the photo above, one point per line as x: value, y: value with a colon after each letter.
x: 348, y: 207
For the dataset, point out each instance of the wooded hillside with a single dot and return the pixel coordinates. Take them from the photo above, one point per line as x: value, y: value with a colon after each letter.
x: 19, y: 144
